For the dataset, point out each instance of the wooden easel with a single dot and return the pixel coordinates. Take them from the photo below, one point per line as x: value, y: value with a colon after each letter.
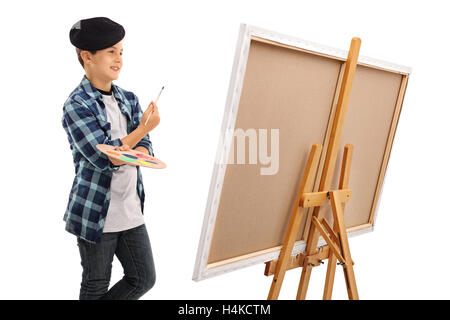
x: 337, y: 247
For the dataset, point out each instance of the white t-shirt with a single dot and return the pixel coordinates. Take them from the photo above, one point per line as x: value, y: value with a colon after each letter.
x: 124, y: 210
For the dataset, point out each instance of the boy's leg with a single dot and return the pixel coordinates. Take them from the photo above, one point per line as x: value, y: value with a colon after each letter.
x: 96, y: 259
x: 135, y: 254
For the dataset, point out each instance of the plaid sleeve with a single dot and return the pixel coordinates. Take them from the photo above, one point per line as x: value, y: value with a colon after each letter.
x: 145, y: 141
x: 86, y: 133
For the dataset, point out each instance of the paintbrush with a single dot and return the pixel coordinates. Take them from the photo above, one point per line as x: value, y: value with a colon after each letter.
x: 151, y: 112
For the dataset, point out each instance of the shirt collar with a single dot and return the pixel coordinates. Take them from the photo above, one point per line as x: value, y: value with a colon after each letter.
x: 95, y: 94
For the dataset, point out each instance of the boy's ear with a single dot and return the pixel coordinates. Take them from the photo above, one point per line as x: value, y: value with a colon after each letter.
x: 86, y: 56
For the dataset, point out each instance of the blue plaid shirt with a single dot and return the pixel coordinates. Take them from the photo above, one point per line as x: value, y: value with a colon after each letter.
x: 85, y: 122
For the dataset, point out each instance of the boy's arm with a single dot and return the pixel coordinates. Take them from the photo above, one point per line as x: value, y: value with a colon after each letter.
x: 143, y: 150
x: 85, y: 131
x: 134, y: 137
x: 144, y: 144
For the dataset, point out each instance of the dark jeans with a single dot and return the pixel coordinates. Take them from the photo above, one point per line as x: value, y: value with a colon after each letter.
x: 132, y: 248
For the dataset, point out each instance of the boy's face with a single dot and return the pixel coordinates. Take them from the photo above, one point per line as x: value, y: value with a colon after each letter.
x: 107, y: 63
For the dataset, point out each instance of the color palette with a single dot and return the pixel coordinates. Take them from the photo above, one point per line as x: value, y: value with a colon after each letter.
x: 132, y: 157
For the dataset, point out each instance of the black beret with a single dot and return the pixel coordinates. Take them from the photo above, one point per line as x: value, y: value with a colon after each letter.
x: 96, y: 33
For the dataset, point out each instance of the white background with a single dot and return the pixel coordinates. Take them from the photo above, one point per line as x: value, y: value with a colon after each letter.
x: 188, y: 46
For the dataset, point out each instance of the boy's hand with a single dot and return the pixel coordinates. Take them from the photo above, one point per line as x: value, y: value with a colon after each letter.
x: 118, y: 162
x: 153, y: 121
x: 123, y: 147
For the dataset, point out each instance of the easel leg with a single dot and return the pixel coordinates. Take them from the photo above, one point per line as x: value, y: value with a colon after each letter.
x: 331, y: 271
x: 330, y: 159
x: 343, y: 184
x: 304, y: 281
x: 294, y: 222
x: 338, y: 216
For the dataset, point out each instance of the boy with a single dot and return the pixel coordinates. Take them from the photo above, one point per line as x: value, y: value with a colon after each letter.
x: 106, y: 202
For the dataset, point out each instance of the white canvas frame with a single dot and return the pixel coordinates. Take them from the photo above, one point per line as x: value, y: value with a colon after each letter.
x: 201, y: 270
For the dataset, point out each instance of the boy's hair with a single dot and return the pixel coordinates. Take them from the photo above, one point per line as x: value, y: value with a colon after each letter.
x: 79, y: 55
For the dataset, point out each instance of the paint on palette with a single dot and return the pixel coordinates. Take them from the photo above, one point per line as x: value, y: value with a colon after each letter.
x: 145, y: 156
x: 128, y: 159
x: 129, y: 156
x: 139, y: 157
x: 145, y: 162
